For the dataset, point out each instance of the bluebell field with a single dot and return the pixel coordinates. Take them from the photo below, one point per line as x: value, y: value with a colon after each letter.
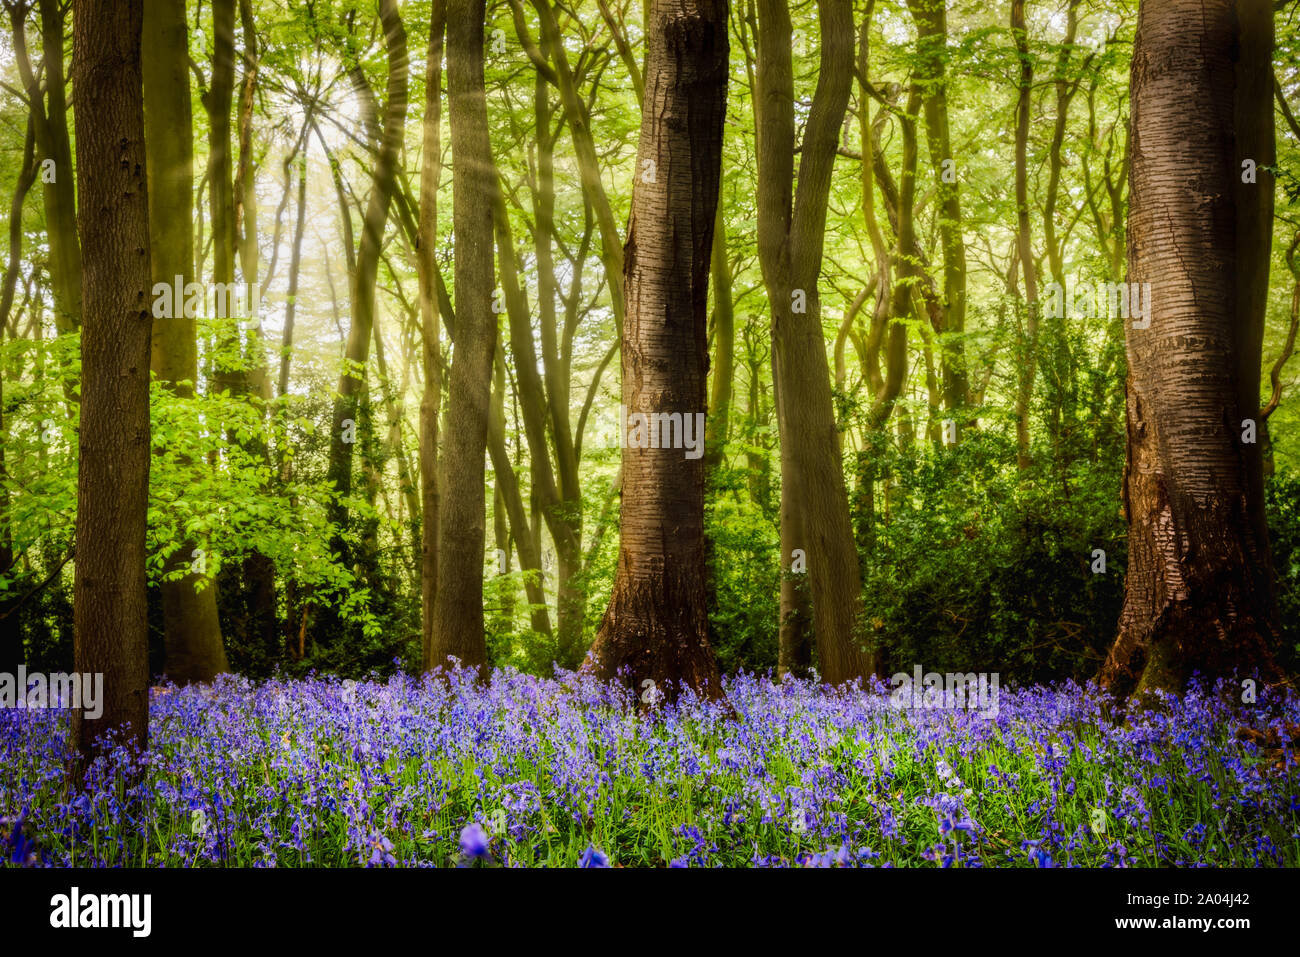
x: 523, y: 771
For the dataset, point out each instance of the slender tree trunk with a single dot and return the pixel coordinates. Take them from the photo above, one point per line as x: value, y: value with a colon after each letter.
x: 221, y: 190
x: 191, y: 629
x: 1029, y: 358
x: 11, y: 639
x: 510, y: 505
x: 113, y: 480
x: 1199, y: 593
x: 295, y: 273
x: 723, y: 370
x: 360, y: 331
x: 795, y: 628
x: 565, y: 519
x: 656, y: 625
x: 584, y: 145
x: 790, y: 235
x: 46, y: 91
x: 430, y: 172
x: 458, y: 605
x: 931, y: 19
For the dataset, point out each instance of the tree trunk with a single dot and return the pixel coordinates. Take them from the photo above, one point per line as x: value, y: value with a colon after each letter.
x: 430, y: 172
x: 11, y: 639
x: 191, y: 629
x: 1029, y: 341
x: 790, y: 238
x: 931, y: 19
x: 458, y: 605
x: 47, y: 94
x: 360, y: 331
x: 656, y: 625
x: 1199, y: 594
x: 510, y: 504
x: 113, y: 480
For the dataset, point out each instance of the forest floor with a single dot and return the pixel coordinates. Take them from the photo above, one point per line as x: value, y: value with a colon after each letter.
x: 526, y: 771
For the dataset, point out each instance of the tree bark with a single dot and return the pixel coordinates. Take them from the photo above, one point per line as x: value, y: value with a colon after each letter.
x: 931, y: 19
x: 113, y: 480
x: 1199, y: 593
x: 431, y: 402
x: 656, y: 625
x: 458, y: 605
x: 790, y: 236
x: 191, y: 629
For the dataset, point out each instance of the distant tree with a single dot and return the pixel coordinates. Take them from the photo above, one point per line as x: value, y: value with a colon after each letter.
x: 191, y: 630
x: 458, y: 605
x: 815, y: 525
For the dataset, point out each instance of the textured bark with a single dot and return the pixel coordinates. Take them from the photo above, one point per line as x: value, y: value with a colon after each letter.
x: 113, y: 479
x: 430, y: 403
x: 790, y: 238
x: 458, y: 605
x: 1199, y: 590
x: 191, y: 629
x: 656, y: 625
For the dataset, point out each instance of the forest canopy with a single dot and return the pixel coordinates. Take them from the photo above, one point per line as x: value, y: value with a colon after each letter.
x: 399, y: 251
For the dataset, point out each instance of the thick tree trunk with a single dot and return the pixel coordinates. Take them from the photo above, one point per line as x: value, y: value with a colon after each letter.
x: 191, y: 629
x: 656, y: 625
x: 1199, y: 590
x: 458, y: 605
x: 113, y: 480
